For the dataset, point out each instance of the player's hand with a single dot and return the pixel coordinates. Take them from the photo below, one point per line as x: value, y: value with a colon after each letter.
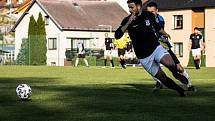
x: 168, y: 36
x: 132, y: 17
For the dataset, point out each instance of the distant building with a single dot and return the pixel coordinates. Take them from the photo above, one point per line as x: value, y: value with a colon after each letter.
x: 12, y: 2
x: 69, y: 20
x: 181, y: 17
x: 6, y: 54
x: 21, y: 9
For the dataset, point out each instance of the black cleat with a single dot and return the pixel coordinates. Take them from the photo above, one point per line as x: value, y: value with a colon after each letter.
x: 123, y: 67
x: 157, y: 87
x: 192, y: 88
x: 183, y: 94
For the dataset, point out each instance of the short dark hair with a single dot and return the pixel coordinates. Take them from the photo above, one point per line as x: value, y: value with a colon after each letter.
x: 152, y: 4
x: 135, y: 1
x: 196, y: 28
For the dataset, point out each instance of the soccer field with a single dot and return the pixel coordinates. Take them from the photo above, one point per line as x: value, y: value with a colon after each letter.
x: 96, y: 94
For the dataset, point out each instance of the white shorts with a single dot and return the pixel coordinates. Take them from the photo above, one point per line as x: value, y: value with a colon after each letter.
x: 152, y: 62
x: 196, y: 52
x: 107, y: 53
x: 129, y: 55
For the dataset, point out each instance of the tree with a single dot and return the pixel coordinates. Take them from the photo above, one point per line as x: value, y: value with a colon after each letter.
x: 1, y: 36
x: 41, y: 40
x: 22, y: 58
x: 32, y: 38
x: 34, y: 48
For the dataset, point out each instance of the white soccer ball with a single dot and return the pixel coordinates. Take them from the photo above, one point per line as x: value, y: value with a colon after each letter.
x: 23, y: 91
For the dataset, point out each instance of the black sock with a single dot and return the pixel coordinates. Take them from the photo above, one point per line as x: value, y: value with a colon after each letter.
x: 181, y: 78
x: 196, y: 64
x: 172, y: 85
x: 105, y: 62
x: 123, y: 62
x: 112, y: 63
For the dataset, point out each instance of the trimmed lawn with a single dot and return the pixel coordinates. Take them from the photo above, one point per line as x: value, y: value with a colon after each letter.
x: 96, y: 94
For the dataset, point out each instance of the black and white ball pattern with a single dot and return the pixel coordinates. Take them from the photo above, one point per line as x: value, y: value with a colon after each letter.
x: 23, y: 91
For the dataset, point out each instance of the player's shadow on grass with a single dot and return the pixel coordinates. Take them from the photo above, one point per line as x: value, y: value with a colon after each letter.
x: 26, y: 80
x: 103, y: 102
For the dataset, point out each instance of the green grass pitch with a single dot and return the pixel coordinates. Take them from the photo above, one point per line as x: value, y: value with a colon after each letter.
x: 96, y: 94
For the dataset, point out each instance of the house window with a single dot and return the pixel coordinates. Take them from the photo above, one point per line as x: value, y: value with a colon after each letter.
x: 178, y: 49
x: 52, y: 43
x: 46, y: 20
x: 178, y: 21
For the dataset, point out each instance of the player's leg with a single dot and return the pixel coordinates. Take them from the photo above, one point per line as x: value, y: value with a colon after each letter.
x: 199, y: 56
x: 168, y: 62
x: 180, y: 75
x: 198, y: 59
x: 190, y: 87
x: 168, y: 82
x: 154, y: 69
x: 111, y: 59
x: 122, y: 61
x: 185, y: 80
x: 195, y: 62
x: 195, y: 54
x: 166, y: 59
x: 121, y: 57
x: 85, y: 60
x: 105, y: 59
x: 158, y: 85
x: 76, y: 61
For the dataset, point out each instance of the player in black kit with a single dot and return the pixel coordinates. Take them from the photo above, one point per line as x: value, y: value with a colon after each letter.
x: 153, y: 8
x: 141, y: 26
x: 108, y: 50
x: 195, y: 40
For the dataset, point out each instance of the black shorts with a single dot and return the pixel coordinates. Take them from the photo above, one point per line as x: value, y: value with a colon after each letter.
x: 121, y: 52
x: 81, y: 55
x: 175, y: 59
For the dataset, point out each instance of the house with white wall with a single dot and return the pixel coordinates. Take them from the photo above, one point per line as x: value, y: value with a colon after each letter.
x: 68, y: 21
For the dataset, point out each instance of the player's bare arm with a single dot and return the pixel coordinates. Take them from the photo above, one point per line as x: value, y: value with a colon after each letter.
x: 163, y: 32
x: 132, y: 17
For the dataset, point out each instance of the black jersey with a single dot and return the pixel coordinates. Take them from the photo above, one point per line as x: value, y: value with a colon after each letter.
x: 142, y: 33
x: 195, y: 38
x: 108, y: 43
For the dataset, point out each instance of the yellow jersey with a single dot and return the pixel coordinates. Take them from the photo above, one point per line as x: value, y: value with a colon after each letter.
x: 122, y: 42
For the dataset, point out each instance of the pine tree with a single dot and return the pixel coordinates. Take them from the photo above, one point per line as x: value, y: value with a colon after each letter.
x: 32, y: 38
x: 22, y: 58
x: 41, y: 40
x: 33, y: 50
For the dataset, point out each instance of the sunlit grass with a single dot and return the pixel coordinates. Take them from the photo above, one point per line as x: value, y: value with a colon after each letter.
x: 96, y: 94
